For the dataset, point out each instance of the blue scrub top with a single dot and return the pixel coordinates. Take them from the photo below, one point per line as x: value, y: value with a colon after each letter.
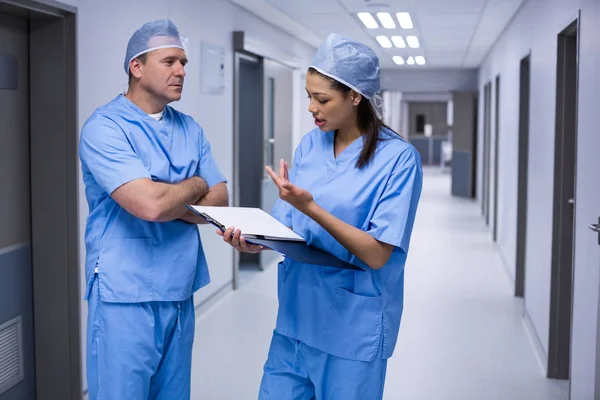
x: 138, y: 260
x: 346, y: 313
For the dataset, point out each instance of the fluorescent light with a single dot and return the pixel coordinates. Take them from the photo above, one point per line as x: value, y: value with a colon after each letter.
x: 404, y: 20
x: 398, y: 60
x: 412, y: 41
x: 410, y: 61
x: 368, y: 20
x: 384, y: 42
x: 398, y: 42
x: 386, y: 20
x: 420, y: 60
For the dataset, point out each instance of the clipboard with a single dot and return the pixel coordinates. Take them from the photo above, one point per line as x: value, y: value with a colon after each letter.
x: 259, y: 227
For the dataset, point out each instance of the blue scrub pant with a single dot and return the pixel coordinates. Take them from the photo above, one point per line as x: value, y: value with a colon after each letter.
x: 139, y: 351
x: 295, y: 371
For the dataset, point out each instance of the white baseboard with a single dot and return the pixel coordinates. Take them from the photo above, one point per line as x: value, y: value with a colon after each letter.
x: 540, y: 353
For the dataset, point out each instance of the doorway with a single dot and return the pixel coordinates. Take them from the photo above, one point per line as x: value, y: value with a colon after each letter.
x: 263, y: 135
x: 496, y: 156
x: 39, y: 262
x: 249, y: 140
x: 523, y: 168
x: 487, y: 127
x: 563, y: 203
x: 278, y: 138
x: 475, y: 149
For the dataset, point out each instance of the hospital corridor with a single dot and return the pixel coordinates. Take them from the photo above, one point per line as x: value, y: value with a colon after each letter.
x: 299, y: 200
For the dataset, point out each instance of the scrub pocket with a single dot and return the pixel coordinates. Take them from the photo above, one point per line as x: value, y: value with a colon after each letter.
x: 125, y: 270
x: 355, y: 325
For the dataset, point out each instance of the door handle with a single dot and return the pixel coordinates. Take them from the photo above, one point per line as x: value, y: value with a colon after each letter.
x: 571, y: 201
x: 596, y: 228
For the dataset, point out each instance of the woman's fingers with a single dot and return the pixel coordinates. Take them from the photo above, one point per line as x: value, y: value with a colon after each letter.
x: 235, y: 239
x: 227, y: 235
x: 248, y: 247
x: 282, y: 169
x: 272, y: 174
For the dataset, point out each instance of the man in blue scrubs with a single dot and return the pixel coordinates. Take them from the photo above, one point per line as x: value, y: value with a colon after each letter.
x: 142, y: 163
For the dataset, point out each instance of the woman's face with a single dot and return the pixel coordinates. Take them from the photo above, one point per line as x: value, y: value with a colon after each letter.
x: 330, y: 108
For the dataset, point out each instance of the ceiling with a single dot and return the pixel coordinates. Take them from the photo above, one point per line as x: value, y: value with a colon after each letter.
x: 452, y: 33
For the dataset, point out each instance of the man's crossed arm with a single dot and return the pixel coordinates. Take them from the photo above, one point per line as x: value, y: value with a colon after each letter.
x: 162, y: 202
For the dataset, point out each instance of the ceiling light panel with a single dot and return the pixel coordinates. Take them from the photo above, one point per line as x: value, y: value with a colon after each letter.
x: 420, y: 60
x: 398, y: 60
x: 412, y: 41
x: 410, y: 61
x: 368, y: 20
x: 398, y: 42
x: 384, y: 41
x: 404, y: 20
x: 386, y: 20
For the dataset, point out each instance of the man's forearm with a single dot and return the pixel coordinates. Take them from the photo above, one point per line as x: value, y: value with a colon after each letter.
x: 216, y: 196
x: 173, y: 198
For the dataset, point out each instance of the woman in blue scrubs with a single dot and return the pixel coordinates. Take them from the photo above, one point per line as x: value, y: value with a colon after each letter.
x: 353, y: 191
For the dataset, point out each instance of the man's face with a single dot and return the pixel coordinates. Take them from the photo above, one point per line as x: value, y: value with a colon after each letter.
x: 163, y: 73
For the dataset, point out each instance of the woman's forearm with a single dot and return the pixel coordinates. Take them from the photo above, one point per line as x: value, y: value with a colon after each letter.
x: 364, y: 246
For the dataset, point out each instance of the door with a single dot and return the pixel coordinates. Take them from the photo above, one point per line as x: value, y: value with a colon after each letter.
x: 475, y: 149
x: 523, y: 162
x: 487, y: 127
x: 250, y: 163
x: 585, y: 343
x: 39, y: 259
x: 496, y: 156
x: 278, y: 135
x: 563, y: 204
x: 17, y: 379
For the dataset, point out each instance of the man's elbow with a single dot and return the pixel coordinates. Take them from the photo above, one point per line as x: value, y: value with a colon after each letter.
x: 223, y: 201
x: 222, y: 198
x: 153, y: 212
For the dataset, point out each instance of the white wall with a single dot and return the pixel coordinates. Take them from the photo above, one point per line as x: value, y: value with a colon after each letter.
x: 103, y: 29
x: 535, y: 29
x: 392, y: 110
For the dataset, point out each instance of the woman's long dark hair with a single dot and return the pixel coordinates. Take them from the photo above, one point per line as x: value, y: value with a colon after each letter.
x: 366, y: 120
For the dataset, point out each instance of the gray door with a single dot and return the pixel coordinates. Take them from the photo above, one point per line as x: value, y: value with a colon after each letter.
x: 278, y: 119
x: 585, y: 343
x: 250, y: 158
x: 496, y: 156
x: 16, y: 311
x: 561, y: 285
x: 525, y: 71
x: 487, y: 127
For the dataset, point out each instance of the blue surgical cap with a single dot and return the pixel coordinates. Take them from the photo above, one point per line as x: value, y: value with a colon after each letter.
x: 153, y: 35
x: 353, y: 64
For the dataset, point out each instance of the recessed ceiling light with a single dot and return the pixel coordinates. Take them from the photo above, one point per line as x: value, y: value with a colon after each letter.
x: 404, y: 20
x: 368, y: 20
x: 398, y: 42
x: 398, y: 60
x: 386, y: 20
x: 412, y: 41
x: 410, y: 61
x: 420, y: 60
x: 384, y: 42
